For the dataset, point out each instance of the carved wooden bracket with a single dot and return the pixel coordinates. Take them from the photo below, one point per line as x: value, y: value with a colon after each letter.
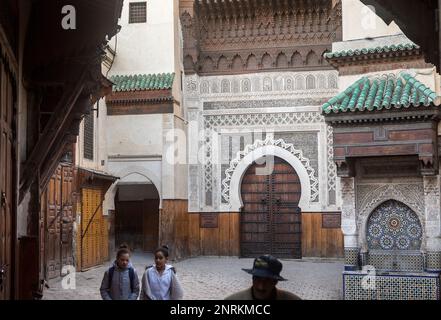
x: 428, y: 166
x: 345, y: 168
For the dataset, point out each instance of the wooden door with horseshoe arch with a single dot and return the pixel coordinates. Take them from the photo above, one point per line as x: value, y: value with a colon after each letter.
x: 271, y: 220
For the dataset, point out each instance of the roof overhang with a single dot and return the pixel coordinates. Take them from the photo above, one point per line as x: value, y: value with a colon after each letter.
x: 89, y: 177
x: 418, y: 20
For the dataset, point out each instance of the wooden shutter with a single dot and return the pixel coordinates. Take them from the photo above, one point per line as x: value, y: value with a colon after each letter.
x: 7, y: 96
x: 88, y: 136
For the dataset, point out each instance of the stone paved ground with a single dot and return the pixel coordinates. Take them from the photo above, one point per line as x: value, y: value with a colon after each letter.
x: 214, y: 278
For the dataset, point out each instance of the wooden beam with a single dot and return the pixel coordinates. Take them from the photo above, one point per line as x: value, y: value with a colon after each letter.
x: 67, y: 137
x: 51, y: 165
x: 50, y: 133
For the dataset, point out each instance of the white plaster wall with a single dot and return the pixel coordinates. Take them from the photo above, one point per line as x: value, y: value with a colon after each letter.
x: 360, y: 22
x: 143, y: 48
x: 181, y: 167
x: 134, y: 135
x: 99, y: 141
x: 174, y: 157
x: 146, y: 47
x: 178, y: 59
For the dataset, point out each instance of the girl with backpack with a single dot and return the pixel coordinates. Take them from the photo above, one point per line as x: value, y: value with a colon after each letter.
x: 159, y: 281
x: 120, y: 282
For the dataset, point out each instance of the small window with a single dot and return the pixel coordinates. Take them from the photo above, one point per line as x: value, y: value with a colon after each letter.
x: 88, y: 136
x: 138, y: 12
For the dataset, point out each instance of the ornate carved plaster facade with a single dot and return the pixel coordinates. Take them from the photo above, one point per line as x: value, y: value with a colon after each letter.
x: 233, y: 116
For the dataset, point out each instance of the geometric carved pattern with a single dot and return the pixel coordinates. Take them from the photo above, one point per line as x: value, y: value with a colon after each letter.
x: 219, y: 95
x: 391, y: 287
x: 269, y: 142
x: 251, y: 96
x: 410, y: 193
x: 264, y: 119
x: 212, y: 123
x: 289, y: 84
x: 332, y: 168
x: 394, y: 226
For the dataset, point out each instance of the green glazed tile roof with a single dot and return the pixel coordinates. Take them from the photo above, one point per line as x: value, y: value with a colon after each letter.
x: 141, y: 82
x: 382, y: 92
x: 359, y: 52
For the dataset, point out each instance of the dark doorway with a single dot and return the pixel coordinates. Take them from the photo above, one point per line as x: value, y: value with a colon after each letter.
x: 271, y: 220
x: 137, y: 216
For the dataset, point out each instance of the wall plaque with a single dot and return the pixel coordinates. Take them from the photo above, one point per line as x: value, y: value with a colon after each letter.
x: 209, y: 220
x: 331, y: 220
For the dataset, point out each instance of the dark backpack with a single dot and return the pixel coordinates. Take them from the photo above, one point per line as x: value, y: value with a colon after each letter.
x: 131, y: 276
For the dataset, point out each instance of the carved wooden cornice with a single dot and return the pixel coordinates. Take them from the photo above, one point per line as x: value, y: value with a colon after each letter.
x: 216, y: 33
x: 140, y: 102
x: 386, y: 133
x: 145, y: 97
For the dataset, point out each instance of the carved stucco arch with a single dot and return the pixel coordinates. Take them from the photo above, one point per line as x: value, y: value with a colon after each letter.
x: 378, y: 197
x: 278, y: 148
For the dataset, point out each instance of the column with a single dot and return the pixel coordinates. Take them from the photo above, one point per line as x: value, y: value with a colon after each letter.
x: 432, y: 224
x: 349, y: 225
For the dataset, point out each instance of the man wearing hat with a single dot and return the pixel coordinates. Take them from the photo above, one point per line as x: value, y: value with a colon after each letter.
x: 266, y: 274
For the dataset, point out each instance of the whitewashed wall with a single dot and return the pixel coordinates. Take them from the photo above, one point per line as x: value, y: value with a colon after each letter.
x: 137, y: 145
x: 134, y: 135
x: 146, y: 47
x: 360, y: 22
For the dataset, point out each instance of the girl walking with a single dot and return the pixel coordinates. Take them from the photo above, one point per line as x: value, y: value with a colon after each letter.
x: 159, y: 281
x: 120, y: 282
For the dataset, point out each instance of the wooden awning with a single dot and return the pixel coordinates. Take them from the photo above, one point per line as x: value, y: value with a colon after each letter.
x: 89, y: 177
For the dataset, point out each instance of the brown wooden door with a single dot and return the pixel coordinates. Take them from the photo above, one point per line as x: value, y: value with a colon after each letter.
x: 52, y: 199
x: 67, y: 216
x: 271, y: 220
x: 94, y: 231
x: 57, y: 210
x: 7, y: 165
